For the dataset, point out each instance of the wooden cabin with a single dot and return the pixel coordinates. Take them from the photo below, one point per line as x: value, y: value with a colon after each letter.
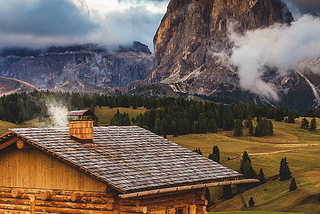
x: 116, y: 170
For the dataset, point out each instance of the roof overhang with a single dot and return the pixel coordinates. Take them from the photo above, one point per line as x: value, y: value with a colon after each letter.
x: 184, y: 188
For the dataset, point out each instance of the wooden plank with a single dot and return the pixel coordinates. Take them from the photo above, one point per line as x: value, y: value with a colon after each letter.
x: 8, y: 143
x: 45, y: 172
x: 133, y: 209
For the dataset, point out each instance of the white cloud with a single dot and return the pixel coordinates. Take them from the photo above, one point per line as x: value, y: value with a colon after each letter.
x: 280, y: 46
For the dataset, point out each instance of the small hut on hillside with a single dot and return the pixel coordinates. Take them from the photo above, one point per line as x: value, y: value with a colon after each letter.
x: 86, y: 169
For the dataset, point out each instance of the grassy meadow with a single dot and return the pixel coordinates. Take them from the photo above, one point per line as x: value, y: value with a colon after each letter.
x: 300, y: 147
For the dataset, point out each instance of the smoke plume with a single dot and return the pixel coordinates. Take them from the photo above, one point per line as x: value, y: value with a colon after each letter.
x: 58, y: 113
x: 280, y: 46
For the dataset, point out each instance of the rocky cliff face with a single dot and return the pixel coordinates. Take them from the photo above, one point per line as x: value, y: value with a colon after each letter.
x: 96, y: 66
x: 193, y: 33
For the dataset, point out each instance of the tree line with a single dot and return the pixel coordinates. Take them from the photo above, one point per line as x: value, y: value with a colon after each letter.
x: 164, y: 115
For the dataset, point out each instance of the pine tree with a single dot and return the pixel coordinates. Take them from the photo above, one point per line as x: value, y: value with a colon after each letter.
x: 261, y: 177
x: 245, y: 158
x: 228, y: 121
x: 213, y: 126
x: 257, y: 132
x: 227, y: 192
x: 251, y: 202
x: 291, y: 117
x: 238, y: 127
x: 215, y: 156
x: 313, y: 124
x: 304, y: 123
x: 251, y: 128
x: 284, y: 172
x: 248, y: 171
x: 270, y: 128
x: 293, y: 185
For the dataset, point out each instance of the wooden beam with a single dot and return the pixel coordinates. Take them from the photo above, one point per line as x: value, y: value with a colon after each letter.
x: 23, y: 145
x: 133, y: 209
x: 8, y: 143
x: 46, y: 195
x: 177, y: 189
x: 17, y: 193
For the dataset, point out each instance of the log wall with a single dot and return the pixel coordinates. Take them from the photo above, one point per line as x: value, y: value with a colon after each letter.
x: 188, y: 202
x: 23, y: 200
x: 32, y: 168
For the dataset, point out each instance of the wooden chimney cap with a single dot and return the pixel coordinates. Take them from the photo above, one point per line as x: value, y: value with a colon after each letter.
x: 81, y: 113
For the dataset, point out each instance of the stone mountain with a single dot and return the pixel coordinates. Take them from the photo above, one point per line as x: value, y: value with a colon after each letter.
x: 193, y: 34
x: 90, y: 64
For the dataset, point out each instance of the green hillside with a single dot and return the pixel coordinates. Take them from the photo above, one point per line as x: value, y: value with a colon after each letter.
x: 301, y: 148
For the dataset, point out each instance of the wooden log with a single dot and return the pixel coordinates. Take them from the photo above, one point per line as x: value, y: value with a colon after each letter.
x: 72, y: 205
x: 124, y: 202
x: 97, y: 200
x: 133, y: 209
x: 15, y: 207
x: 201, y: 202
x: 76, y: 197
x: 8, y: 143
x: 164, y: 199
x: 6, y: 211
x: 15, y: 201
x: 68, y: 210
x: 23, y: 145
x: 46, y: 195
x: 17, y: 193
x: 32, y: 203
x: 201, y: 208
x: 5, y: 189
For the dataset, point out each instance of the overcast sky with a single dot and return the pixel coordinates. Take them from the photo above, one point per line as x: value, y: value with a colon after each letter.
x: 40, y: 23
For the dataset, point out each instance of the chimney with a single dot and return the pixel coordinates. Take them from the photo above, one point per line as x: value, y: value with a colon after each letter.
x: 81, y: 125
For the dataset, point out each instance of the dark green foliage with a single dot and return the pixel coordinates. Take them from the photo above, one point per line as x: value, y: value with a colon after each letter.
x: 270, y: 128
x: 284, y: 171
x: 244, y: 159
x: 264, y: 128
x: 291, y: 117
x: 198, y: 150
x: 227, y: 192
x: 293, y: 185
x: 304, y: 123
x: 279, y: 114
x: 261, y: 177
x: 313, y: 124
x: 248, y: 171
x: 251, y: 202
x: 251, y: 128
x: 212, y: 126
x: 207, y: 194
x: 215, y: 156
x: 120, y: 119
x: 228, y: 120
x: 238, y: 128
x: 247, y: 122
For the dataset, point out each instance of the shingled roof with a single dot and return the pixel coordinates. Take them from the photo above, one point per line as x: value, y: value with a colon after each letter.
x: 129, y: 158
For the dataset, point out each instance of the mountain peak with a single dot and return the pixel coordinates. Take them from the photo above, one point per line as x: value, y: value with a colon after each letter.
x: 192, y: 32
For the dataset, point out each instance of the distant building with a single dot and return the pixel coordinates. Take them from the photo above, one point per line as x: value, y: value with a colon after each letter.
x: 113, y: 169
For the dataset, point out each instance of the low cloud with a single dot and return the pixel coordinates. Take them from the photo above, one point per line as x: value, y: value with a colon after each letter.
x: 280, y: 46
x: 39, y: 24
x: 60, y: 18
